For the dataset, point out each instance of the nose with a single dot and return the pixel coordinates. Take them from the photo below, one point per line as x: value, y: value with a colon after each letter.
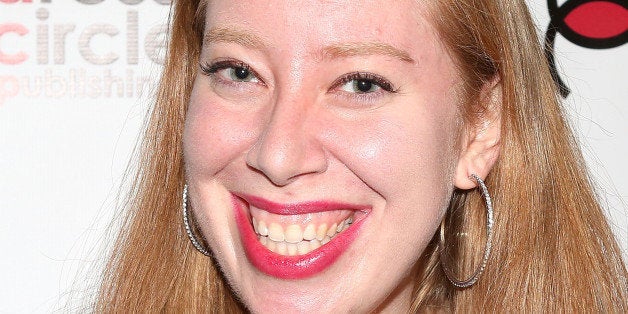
x: 287, y: 147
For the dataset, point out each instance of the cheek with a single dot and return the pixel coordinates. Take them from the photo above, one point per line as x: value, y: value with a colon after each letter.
x: 215, y: 133
x: 403, y: 152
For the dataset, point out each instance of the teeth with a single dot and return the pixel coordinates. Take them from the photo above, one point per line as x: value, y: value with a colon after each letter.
x: 263, y: 229
x: 293, y: 240
x: 314, y: 244
x: 255, y: 226
x: 282, y: 248
x: 321, y: 232
x: 293, y: 234
x: 275, y: 232
x: 332, y: 230
x: 303, y: 247
x: 340, y: 226
x: 309, y: 233
x: 272, y: 246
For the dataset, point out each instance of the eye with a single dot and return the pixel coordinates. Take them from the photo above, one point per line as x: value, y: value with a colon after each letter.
x: 230, y: 71
x: 360, y: 86
x: 363, y: 83
x: 241, y: 74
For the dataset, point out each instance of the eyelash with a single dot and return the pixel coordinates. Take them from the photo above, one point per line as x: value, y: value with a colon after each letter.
x: 365, y: 76
x: 210, y: 69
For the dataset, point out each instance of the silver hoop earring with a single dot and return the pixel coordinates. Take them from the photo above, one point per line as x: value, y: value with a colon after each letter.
x: 489, y: 240
x: 186, y: 223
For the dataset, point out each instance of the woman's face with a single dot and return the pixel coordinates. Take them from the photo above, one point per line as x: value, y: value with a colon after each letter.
x: 320, y: 148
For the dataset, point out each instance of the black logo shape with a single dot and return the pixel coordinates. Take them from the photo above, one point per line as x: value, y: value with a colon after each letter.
x: 595, y: 24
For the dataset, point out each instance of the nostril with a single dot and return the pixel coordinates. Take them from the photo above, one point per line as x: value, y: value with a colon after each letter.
x: 275, y: 164
x: 284, y: 161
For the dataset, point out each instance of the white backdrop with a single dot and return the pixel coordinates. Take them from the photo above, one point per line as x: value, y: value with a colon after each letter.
x: 76, y: 78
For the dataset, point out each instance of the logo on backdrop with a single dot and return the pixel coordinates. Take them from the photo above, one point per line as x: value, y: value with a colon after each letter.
x: 595, y: 24
x: 42, y: 45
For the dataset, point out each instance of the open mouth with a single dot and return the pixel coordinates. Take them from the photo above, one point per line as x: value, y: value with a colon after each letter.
x: 295, y: 241
x: 290, y: 239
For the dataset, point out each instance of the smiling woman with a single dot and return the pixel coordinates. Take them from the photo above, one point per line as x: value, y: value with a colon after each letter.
x: 320, y: 146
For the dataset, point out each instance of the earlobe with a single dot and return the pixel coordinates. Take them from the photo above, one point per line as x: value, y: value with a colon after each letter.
x: 481, y: 146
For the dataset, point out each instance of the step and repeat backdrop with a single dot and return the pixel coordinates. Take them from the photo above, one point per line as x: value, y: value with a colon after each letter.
x: 78, y: 76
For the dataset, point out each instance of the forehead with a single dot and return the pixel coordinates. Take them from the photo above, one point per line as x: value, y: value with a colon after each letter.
x: 304, y: 25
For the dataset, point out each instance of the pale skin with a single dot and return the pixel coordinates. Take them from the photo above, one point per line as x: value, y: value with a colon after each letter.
x: 279, y: 117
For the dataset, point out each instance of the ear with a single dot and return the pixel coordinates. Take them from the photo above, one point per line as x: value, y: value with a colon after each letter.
x: 481, y: 141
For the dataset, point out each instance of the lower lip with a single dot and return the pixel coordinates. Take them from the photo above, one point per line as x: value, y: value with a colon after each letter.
x: 290, y: 267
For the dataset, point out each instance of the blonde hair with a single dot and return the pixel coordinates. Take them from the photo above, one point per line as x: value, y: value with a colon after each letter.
x: 552, y: 249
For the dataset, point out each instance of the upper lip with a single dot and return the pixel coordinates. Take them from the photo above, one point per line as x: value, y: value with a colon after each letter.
x: 299, y: 208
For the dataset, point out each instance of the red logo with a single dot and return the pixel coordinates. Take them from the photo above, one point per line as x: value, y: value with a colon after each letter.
x: 595, y: 24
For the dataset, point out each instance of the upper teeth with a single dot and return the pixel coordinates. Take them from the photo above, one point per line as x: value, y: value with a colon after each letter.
x: 293, y: 239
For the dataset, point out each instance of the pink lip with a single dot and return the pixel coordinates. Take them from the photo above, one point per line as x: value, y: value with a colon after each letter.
x: 300, y: 266
x: 299, y: 208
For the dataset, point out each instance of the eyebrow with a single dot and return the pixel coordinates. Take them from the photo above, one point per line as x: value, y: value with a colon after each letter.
x: 230, y: 35
x: 340, y: 50
x: 343, y: 50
